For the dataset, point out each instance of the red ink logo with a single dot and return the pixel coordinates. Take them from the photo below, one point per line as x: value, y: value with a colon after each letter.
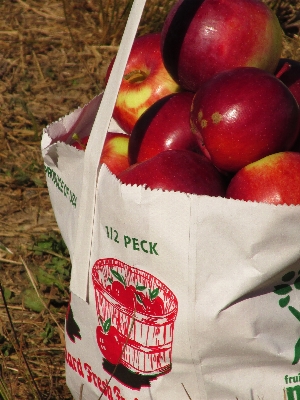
x: 136, y: 314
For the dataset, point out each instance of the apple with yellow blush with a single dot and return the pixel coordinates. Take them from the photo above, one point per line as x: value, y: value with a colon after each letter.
x: 144, y: 82
x: 274, y: 179
x: 115, y: 152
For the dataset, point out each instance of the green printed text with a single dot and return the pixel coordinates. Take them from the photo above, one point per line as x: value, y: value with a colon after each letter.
x: 132, y: 243
x: 61, y: 186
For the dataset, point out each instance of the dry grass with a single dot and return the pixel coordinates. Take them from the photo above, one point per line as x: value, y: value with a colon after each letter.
x: 53, y: 58
x: 288, y: 12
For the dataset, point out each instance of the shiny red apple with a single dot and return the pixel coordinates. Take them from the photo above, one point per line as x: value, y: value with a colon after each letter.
x: 177, y: 170
x: 201, y: 38
x: 242, y: 115
x: 145, y: 81
x: 163, y: 126
x: 274, y: 179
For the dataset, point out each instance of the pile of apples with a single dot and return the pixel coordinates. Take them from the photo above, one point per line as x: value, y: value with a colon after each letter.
x: 209, y: 107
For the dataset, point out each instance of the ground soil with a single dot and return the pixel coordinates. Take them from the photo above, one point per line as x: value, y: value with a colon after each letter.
x: 53, y: 59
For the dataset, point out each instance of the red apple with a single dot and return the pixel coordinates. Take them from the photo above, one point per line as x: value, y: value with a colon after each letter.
x: 242, y: 115
x: 163, y: 126
x: 291, y: 78
x: 145, y: 81
x: 274, y: 179
x: 177, y: 170
x: 201, y: 38
x: 115, y: 152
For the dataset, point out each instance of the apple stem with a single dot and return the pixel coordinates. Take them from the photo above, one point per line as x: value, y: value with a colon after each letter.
x: 286, y: 66
x: 136, y: 76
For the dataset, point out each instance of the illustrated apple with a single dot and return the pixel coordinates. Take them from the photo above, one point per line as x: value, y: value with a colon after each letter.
x: 150, y: 305
x: 140, y: 306
x: 115, y: 152
x: 201, y: 38
x: 163, y: 126
x: 242, y: 115
x: 154, y: 304
x: 110, y: 342
x: 125, y: 295
x: 274, y: 179
x: 177, y: 170
x: 145, y: 81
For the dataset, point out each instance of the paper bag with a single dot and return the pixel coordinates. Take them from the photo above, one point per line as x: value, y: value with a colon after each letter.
x: 173, y: 296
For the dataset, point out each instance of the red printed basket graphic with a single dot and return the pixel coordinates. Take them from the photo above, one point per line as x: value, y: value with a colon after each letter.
x: 147, y: 336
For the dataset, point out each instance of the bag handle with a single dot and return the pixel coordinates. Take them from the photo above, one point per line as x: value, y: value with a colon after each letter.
x: 81, y: 257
